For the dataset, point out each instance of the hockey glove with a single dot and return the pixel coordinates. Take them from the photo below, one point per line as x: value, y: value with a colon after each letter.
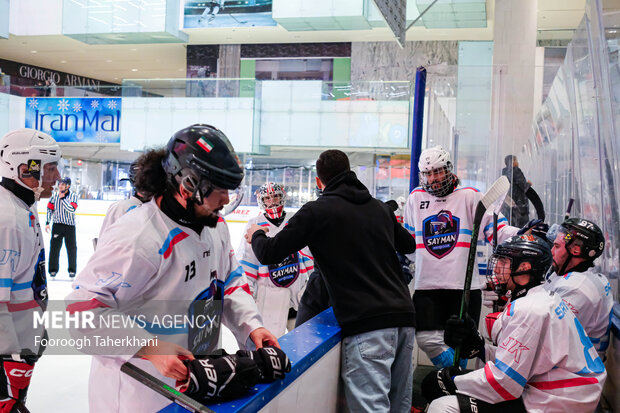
x: 465, y: 334
x: 489, y: 298
x: 272, y: 363
x: 219, y: 377
x: 535, y: 227
x: 15, y: 379
x: 440, y: 383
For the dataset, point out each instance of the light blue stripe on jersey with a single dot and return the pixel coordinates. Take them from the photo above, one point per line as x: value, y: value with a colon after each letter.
x: 409, y: 227
x: 305, y: 259
x: 8, y: 283
x: 465, y: 231
x: 249, y: 264
x: 238, y: 272
x: 131, y: 207
x: 21, y: 286
x: 510, y: 372
x: 499, y: 221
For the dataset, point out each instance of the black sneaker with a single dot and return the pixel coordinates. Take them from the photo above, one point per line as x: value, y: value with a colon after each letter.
x: 71, y: 275
x: 52, y: 274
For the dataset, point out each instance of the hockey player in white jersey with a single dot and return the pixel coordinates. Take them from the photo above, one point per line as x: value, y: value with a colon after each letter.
x: 171, y: 256
x: 577, y: 243
x: 141, y: 192
x: 26, y: 155
x: 540, y: 359
x: 439, y: 215
x: 276, y: 288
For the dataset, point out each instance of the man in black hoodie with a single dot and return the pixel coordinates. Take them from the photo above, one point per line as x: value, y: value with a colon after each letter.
x: 516, y: 210
x: 354, y: 238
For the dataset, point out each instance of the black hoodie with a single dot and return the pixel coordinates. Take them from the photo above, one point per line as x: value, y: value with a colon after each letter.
x: 353, y: 238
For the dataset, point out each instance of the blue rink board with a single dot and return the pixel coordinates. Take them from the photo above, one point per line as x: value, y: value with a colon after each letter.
x: 304, y: 346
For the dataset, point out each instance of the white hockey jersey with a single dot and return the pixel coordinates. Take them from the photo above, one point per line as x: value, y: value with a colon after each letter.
x: 276, y: 288
x: 23, y: 286
x: 147, y: 261
x: 588, y: 295
x: 442, y: 228
x: 117, y: 210
x: 541, y: 352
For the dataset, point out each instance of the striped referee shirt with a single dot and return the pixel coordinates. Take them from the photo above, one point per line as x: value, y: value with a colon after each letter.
x: 62, y: 211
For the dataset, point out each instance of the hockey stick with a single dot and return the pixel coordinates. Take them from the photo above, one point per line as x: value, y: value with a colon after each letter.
x: 568, y: 208
x: 497, y: 192
x: 162, y: 388
x: 495, y: 217
x: 535, y: 200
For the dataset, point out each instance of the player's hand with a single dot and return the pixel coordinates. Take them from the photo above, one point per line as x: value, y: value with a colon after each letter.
x: 535, y: 227
x: 252, y: 230
x: 262, y: 337
x: 489, y: 298
x: 165, y: 358
x: 47, y: 228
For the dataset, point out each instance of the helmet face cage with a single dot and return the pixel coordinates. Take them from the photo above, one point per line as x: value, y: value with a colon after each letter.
x: 499, y: 270
x: 271, y: 198
x: 439, y: 181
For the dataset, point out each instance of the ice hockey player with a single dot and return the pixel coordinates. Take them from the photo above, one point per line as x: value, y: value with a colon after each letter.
x: 141, y: 192
x: 439, y: 215
x: 172, y: 256
x: 26, y: 155
x: 276, y: 287
x: 540, y: 358
x: 577, y: 243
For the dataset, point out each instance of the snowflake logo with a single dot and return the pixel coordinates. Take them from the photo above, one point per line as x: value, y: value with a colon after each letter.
x: 94, y: 104
x: 112, y: 104
x: 33, y: 103
x: 63, y: 105
x: 77, y: 107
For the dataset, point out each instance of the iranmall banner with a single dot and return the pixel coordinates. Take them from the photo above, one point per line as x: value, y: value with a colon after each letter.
x: 76, y: 120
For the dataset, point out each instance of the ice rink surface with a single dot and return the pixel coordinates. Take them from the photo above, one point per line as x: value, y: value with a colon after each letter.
x: 60, y: 383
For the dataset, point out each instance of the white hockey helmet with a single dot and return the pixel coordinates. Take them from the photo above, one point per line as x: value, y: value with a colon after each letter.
x: 29, y: 147
x: 436, y: 175
x: 270, y: 198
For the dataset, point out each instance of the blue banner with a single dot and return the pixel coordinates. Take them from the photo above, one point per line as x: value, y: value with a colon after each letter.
x: 77, y: 120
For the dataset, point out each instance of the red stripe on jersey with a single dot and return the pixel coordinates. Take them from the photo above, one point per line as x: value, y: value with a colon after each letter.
x: 306, y: 255
x: 22, y: 306
x: 50, y: 206
x: 263, y: 274
x: 251, y: 275
x: 220, y: 219
x: 177, y: 238
x: 419, y: 246
x: 418, y: 190
x: 85, y: 305
x: 73, y: 204
x: 561, y: 384
x: 303, y: 270
x: 496, y: 386
x: 463, y: 244
x: 245, y: 287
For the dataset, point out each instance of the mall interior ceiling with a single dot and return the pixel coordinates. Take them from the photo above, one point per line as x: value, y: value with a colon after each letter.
x: 556, y: 21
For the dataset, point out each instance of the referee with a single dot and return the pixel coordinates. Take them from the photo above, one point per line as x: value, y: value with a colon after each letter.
x: 61, y: 210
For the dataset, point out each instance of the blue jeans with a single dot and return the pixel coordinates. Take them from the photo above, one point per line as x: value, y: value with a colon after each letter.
x: 377, y: 370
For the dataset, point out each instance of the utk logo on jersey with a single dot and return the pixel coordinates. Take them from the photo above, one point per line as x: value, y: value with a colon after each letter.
x: 440, y: 233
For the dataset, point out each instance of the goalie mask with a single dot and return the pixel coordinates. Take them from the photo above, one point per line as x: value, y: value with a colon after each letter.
x: 436, y: 175
x: 38, y: 151
x: 270, y: 198
x: 519, y: 255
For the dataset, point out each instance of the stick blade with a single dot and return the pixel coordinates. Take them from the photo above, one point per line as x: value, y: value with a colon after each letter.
x: 496, y: 192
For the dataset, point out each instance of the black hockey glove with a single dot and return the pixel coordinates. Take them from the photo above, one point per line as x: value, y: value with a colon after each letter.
x: 465, y: 334
x: 272, y: 362
x: 535, y: 227
x: 219, y: 377
x: 440, y: 383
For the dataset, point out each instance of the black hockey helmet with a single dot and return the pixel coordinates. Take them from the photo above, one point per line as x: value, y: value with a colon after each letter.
x: 201, y: 158
x: 519, y: 249
x: 133, y: 171
x: 584, y: 233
